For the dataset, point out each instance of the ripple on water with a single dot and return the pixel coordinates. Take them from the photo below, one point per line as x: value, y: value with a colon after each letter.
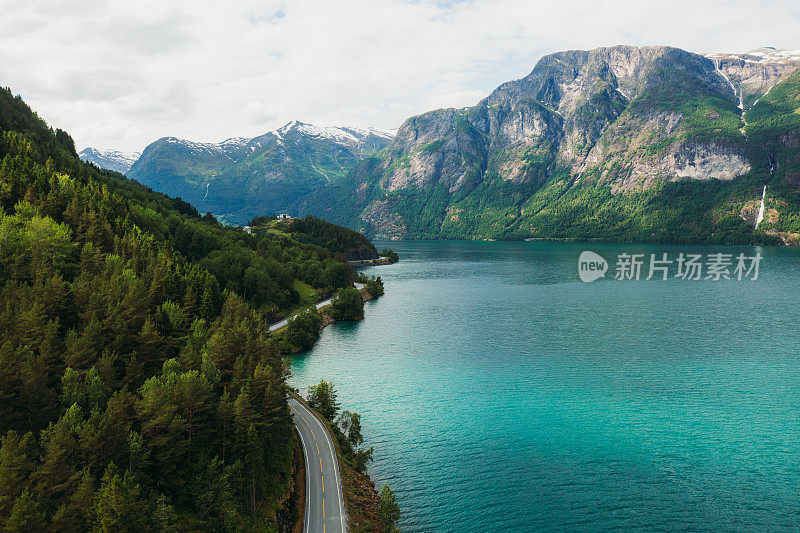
x: 500, y: 394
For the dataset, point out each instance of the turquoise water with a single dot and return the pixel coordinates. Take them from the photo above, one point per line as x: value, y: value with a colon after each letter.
x: 503, y: 394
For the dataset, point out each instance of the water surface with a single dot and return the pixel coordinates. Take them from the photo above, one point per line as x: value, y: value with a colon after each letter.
x: 501, y: 393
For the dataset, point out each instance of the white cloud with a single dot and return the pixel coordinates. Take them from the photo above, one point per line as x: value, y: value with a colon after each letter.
x: 121, y: 74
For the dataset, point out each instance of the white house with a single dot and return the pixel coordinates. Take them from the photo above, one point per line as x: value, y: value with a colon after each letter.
x: 284, y: 216
x: 248, y: 229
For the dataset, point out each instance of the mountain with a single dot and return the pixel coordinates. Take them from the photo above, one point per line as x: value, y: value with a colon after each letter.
x: 140, y: 388
x: 240, y: 178
x: 109, y: 159
x: 620, y: 143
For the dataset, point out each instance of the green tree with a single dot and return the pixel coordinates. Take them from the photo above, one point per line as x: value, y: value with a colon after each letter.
x: 351, y: 427
x: 322, y: 397
x: 118, y: 505
x: 75, y: 513
x: 17, y: 461
x: 362, y: 458
x: 374, y: 286
x: 26, y: 515
x: 388, y: 511
x: 302, y: 331
x: 390, y: 255
x: 347, y: 304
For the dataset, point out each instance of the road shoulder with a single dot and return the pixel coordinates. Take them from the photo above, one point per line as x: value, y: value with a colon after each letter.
x: 361, y: 500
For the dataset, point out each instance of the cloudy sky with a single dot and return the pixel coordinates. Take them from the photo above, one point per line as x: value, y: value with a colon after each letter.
x: 122, y: 74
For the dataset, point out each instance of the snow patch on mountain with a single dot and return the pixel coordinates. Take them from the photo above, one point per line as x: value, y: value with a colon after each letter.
x: 348, y: 136
x: 109, y: 159
x: 341, y: 134
x: 226, y: 147
x: 765, y: 55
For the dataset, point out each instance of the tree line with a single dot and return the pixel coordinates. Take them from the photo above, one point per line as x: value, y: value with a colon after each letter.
x: 139, y: 386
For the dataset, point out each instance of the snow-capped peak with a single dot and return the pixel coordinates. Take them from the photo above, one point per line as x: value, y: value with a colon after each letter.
x: 764, y: 55
x: 226, y: 147
x: 342, y: 134
x: 109, y: 159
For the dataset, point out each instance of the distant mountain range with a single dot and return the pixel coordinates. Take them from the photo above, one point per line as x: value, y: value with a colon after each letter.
x: 240, y: 178
x: 620, y: 143
x: 109, y: 159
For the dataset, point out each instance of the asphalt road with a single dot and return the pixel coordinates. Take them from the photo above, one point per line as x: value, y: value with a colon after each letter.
x: 283, y: 323
x: 324, y: 502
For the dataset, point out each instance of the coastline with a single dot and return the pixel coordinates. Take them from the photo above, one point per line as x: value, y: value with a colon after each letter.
x: 785, y: 239
x: 361, y: 499
x: 327, y: 318
x: 381, y: 261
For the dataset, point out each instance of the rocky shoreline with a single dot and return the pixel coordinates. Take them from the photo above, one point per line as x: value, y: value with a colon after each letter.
x: 370, y: 262
x: 327, y: 319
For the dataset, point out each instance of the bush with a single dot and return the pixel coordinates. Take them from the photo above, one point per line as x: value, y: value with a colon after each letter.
x: 347, y: 304
x: 390, y: 255
x: 302, y: 331
x: 373, y: 285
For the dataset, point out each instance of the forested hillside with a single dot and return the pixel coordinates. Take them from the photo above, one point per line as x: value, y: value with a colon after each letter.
x: 139, y: 388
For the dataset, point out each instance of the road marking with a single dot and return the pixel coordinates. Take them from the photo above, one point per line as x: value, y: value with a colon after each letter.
x: 301, y: 416
x: 336, y: 474
x: 308, y: 484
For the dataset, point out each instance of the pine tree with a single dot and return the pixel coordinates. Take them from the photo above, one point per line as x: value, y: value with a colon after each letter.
x: 17, y: 461
x: 26, y: 515
x: 388, y: 511
x: 118, y: 505
x: 322, y: 397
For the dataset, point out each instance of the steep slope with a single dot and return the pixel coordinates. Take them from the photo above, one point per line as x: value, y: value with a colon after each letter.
x: 754, y: 73
x: 591, y: 144
x: 109, y: 159
x: 242, y: 178
x: 139, y: 387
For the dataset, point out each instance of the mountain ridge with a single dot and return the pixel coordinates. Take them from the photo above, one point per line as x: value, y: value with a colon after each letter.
x: 601, y: 125
x: 236, y: 177
x: 109, y: 159
x: 589, y: 144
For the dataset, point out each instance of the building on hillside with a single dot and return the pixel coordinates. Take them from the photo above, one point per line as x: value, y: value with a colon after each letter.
x: 284, y: 216
x: 248, y: 229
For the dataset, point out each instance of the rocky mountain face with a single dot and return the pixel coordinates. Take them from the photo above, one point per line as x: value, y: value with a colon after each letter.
x: 754, y: 73
x: 109, y: 159
x: 619, y: 143
x: 585, y: 134
x: 240, y: 178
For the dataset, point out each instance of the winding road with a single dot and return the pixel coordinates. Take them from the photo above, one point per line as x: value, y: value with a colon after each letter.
x: 283, y: 323
x: 324, y: 511
x: 321, y: 515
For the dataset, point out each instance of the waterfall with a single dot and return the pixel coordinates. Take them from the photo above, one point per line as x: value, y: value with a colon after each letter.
x: 717, y: 64
x: 739, y: 93
x: 204, y: 197
x: 760, y: 216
